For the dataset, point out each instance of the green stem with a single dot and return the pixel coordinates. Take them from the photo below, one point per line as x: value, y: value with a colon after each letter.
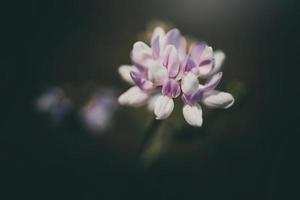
x: 149, y: 134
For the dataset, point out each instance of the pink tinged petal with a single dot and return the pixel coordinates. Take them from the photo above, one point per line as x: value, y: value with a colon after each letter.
x: 193, y: 114
x: 157, y: 73
x: 189, y: 83
x: 151, y: 102
x: 134, y: 96
x: 217, y: 99
x: 141, y: 52
x: 219, y: 57
x: 171, y: 60
x: 171, y: 88
x: 124, y: 71
x: 164, y: 106
x: 141, y: 81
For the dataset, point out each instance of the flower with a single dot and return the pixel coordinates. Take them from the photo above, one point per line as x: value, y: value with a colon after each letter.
x: 165, y: 70
x: 98, y: 112
x: 55, y: 103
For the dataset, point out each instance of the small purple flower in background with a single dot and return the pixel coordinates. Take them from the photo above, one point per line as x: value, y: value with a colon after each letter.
x: 54, y: 102
x: 166, y: 70
x: 97, y: 113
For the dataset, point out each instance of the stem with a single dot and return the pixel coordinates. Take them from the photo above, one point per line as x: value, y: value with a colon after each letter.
x: 149, y: 134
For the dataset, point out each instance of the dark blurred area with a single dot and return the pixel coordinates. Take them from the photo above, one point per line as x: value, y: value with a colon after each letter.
x: 249, y: 151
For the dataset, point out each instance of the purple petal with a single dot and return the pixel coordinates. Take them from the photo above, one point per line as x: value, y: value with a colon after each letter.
x: 191, y: 99
x: 140, y: 67
x: 137, y: 78
x: 185, y: 66
x: 171, y: 88
x: 197, y: 96
x: 205, y: 62
x: 213, y: 82
x: 155, y: 48
x: 141, y: 82
x: 207, y: 88
x: 202, y: 54
x: 189, y: 65
x: 158, y: 31
x: 196, y: 52
x: 173, y: 37
x: 171, y: 60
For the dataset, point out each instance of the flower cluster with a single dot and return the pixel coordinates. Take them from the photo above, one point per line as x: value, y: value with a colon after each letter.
x: 166, y: 70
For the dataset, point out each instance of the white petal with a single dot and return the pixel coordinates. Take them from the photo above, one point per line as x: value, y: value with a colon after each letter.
x: 157, y: 73
x: 219, y: 57
x: 193, y: 115
x: 205, y: 70
x: 124, y: 71
x: 164, y: 106
x: 134, y: 96
x: 207, y: 53
x: 189, y: 83
x: 141, y: 52
x: 151, y: 102
x: 218, y: 100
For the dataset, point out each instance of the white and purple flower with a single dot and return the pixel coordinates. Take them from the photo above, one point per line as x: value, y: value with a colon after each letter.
x: 165, y: 70
x: 97, y: 114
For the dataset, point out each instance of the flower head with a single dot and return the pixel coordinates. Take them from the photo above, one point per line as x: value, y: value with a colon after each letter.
x: 165, y: 70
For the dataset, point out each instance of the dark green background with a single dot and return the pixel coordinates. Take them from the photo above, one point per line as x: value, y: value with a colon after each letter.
x: 247, y: 152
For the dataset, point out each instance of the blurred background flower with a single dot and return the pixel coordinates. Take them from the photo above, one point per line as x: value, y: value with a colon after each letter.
x: 55, y: 103
x: 97, y: 113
